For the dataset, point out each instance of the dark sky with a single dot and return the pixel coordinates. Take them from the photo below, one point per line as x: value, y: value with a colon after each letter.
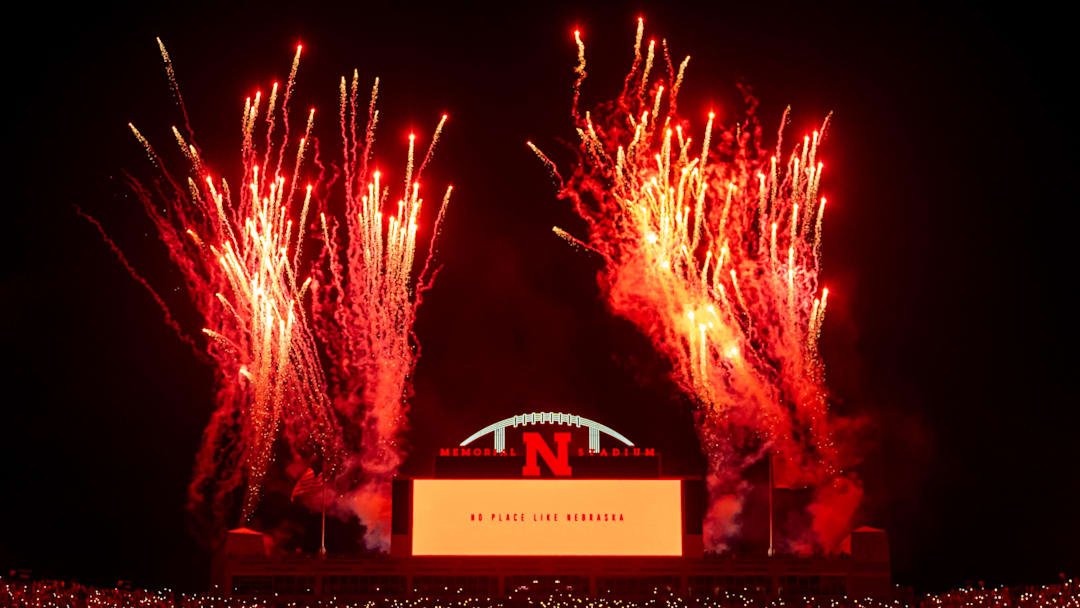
x: 951, y: 190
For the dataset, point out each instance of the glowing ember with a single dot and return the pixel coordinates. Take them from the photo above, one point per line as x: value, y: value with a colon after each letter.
x: 714, y: 252
x: 364, y: 310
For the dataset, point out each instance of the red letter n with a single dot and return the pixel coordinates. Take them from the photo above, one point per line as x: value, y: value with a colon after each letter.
x: 534, y: 443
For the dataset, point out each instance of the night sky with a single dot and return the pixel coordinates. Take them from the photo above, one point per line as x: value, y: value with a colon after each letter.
x: 949, y: 255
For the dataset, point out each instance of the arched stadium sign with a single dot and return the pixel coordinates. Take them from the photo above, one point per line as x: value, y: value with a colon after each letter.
x: 547, y: 444
x: 498, y: 429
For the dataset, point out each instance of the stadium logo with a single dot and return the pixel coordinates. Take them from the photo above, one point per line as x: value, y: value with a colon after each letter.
x: 535, y: 444
x: 536, y: 447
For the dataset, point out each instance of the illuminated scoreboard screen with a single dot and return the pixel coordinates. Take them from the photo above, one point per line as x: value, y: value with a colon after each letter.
x: 526, y: 517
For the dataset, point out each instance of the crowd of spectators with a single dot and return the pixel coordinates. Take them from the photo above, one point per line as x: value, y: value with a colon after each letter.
x: 1065, y: 594
x: 16, y: 593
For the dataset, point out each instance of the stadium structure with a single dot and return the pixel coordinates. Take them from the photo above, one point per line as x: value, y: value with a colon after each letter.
x: 558, y: 503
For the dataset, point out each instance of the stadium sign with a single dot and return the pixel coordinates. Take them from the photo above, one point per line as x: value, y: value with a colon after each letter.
x: 558, y: 452
x: 546, y: 484
x: 546, y: 517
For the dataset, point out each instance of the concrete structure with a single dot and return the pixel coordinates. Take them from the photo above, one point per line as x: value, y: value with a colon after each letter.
x: 863, y: 573
x: 537, y: 560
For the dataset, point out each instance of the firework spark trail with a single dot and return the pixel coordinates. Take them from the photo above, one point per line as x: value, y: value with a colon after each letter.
x: 238, y: 252
x: 367, y: 296
x: 169, y: 320
x: 714, y: 252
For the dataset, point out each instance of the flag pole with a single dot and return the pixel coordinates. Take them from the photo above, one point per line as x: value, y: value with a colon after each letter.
x: 770, y: 503
x: 322, y: 546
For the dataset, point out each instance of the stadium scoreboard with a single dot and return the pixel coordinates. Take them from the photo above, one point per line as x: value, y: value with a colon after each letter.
x: 558, y: 493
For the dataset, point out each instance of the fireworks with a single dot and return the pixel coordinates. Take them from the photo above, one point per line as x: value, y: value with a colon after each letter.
x: 713, y: 248
x: 242, y: 259
x: 366, y: 303
x: 239, y: 253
